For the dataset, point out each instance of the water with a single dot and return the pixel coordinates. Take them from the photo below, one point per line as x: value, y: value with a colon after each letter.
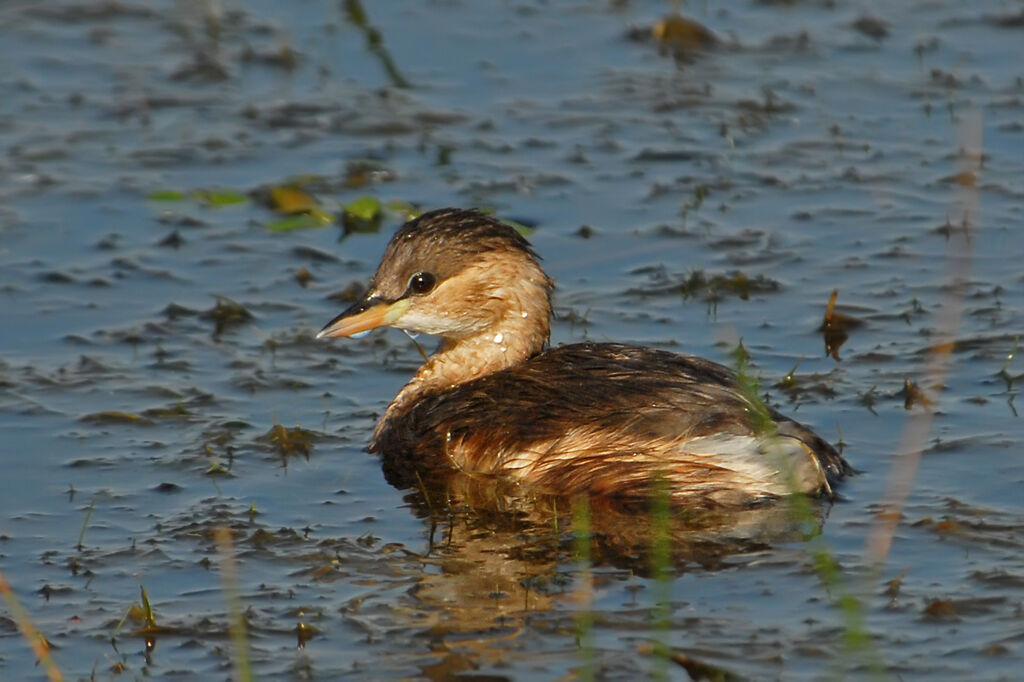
x: 829, y: 158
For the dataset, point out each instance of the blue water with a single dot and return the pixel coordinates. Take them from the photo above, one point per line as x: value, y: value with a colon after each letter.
x: 828, y: 156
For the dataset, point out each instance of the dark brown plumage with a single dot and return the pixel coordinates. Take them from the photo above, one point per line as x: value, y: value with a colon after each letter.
x: 604, y: 419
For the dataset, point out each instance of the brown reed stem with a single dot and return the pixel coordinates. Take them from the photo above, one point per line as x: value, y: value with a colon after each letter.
x: 34, y: 638
x: 236, y: 618
x: 940, y: 356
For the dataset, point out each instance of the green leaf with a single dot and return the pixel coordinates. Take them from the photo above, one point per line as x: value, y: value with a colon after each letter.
x: 147, y: 609
x: 302, y: 221
x: 221, y: 197
x: 166, y: 195
x: 364, y: 208
x: 289, y: 199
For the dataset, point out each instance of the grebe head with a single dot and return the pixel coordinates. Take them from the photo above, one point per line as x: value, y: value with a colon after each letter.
x: 452, y: 273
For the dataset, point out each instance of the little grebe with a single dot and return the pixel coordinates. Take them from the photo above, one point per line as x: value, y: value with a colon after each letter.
x: 600, y: 418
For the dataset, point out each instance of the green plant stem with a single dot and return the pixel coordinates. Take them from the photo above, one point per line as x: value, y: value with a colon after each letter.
x: 661, y: 557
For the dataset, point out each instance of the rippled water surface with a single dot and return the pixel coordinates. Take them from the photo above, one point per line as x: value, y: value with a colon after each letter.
x: 156, y: 350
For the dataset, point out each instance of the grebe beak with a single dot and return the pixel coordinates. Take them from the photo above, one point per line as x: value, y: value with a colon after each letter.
x: 365, y: 315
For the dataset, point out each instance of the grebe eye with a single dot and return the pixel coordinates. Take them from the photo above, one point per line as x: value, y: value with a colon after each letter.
x: 422, y: 283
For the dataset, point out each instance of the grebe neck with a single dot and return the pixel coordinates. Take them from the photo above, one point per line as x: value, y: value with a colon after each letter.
x: 519, y: 330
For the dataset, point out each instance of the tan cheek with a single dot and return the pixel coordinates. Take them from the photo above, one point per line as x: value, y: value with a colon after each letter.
x: 473, y: 306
